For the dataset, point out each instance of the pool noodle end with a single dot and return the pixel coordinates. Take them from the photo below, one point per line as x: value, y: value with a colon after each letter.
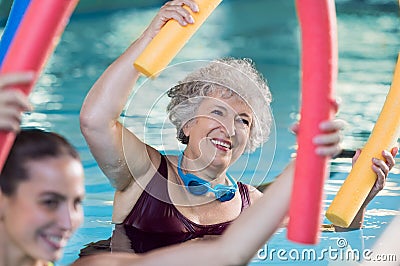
x: 170, y: 40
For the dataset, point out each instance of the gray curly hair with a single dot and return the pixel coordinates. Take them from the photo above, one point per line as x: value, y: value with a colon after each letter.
x: 238, y: 77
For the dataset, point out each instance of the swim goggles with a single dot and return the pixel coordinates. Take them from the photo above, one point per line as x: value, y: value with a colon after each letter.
x: 198, y: 186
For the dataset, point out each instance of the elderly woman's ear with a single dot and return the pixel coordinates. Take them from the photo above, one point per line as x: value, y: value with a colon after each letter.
x: 187, y: 128
x: 183, y: 137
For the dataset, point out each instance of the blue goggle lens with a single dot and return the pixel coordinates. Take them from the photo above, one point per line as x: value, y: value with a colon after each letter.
x: 225, y: 195
x: 221, y: 193
x: 197, y: 188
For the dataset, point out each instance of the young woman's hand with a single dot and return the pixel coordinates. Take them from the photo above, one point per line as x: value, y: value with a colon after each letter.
x: 13, y: 102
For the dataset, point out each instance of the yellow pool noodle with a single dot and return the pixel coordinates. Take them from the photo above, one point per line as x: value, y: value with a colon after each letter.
x: 171, y: 39
x: 361, y: 179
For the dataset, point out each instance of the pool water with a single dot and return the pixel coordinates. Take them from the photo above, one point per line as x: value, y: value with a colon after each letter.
x: 267, y: 32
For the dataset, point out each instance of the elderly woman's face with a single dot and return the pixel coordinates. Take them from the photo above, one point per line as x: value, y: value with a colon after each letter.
x: 220, y: 130
x: 45, y: 210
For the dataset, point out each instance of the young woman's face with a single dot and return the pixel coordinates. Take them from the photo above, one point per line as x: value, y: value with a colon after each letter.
x: 46, y: 209
x: 220, y: 131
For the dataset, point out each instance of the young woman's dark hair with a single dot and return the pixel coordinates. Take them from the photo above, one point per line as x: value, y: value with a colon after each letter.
x: 31, y: 144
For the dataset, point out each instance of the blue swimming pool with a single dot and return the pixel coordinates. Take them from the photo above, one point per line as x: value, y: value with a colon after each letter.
x: 267, y: 32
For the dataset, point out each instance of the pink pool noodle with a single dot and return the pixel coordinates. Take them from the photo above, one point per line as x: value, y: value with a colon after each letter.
x: 33, y: 43
x: 319, y: 72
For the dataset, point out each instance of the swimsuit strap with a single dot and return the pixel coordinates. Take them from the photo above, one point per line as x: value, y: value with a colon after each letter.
x: 163, y: 169
x: 245, y: 195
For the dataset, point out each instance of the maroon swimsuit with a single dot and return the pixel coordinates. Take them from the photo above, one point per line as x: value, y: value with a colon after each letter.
x: 155, y: 222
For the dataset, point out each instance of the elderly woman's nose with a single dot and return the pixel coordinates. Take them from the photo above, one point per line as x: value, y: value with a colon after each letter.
x: 228, y: 125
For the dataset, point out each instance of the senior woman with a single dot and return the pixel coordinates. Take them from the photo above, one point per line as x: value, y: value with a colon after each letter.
x: 220, y: 111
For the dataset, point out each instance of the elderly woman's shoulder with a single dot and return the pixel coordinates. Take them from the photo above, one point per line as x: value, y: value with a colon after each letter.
x: 255, y: 193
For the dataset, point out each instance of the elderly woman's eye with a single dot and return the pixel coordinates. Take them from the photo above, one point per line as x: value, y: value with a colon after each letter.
x: 217, y: 112
x: 243, y: 121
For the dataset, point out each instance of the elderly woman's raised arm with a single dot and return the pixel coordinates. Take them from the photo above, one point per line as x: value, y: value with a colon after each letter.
x: 108, y: 140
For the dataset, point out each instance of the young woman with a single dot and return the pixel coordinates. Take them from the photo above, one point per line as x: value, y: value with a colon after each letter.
x: 41, y: 189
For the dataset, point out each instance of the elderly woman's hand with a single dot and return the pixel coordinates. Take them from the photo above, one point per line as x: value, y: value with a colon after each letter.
x: 12, y: 102
x: 328, y: 142
x: 381, y: 168
x: 172, y: 10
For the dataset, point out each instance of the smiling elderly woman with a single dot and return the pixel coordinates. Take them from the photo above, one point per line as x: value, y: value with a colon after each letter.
x: 224, y: 79
x: 220, y: 111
